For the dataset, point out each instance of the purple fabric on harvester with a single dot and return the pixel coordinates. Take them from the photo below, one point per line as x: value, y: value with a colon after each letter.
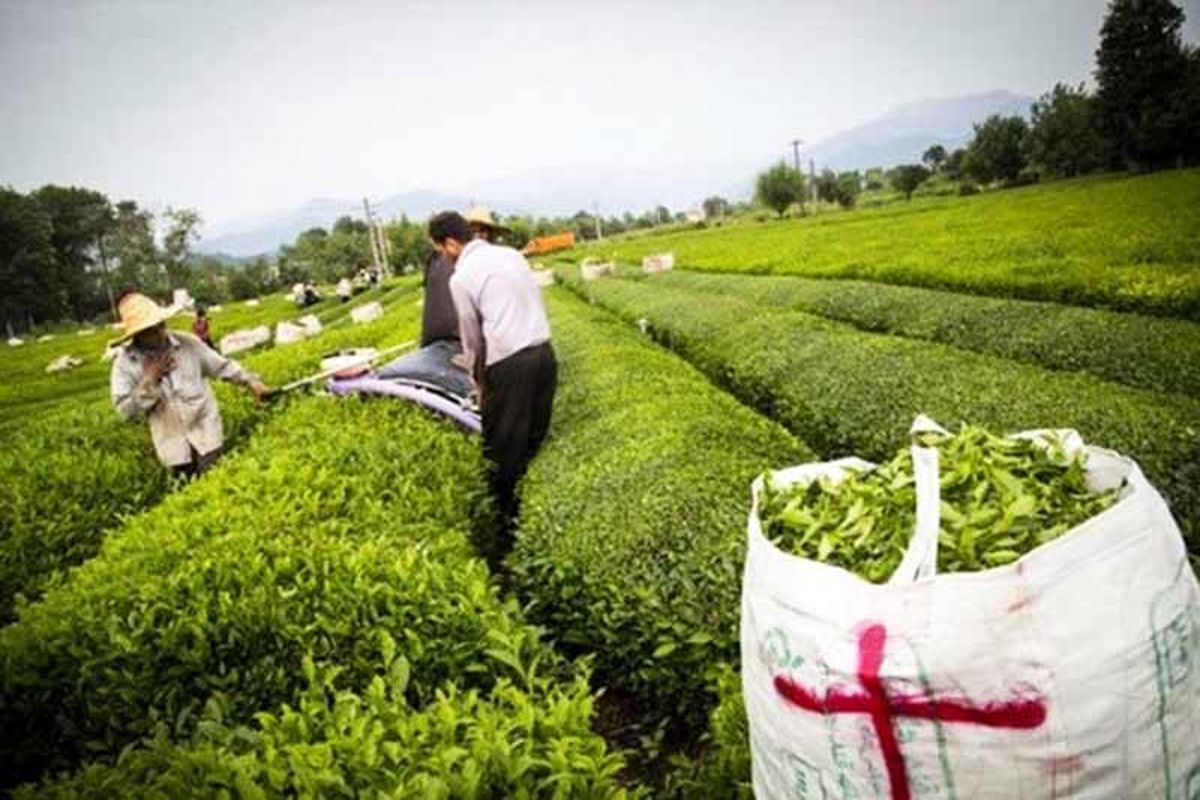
x: 422, y: 397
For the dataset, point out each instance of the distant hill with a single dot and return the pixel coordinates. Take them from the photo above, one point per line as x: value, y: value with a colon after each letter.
x: 266, y: 234
x: 898, y: 136
x: 901, y: 135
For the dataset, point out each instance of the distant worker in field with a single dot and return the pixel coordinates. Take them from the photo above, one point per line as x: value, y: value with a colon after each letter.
x: 344, y: 290
x: 200, y: 327
x: 505, y: 338
x: 163, y: 376
x: 484, y: 225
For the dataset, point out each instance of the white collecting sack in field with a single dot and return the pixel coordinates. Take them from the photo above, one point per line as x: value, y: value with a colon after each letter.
x: 180, y: 299
x: 241, y: 340
x: 85, y: 332
x: 252, y: 303
x: 1073, y: 672
x: 658, y: 263
x: 543, y: 277
x: 15, y: 342
x: 49, y: 337
x: 63, y: 363
x: 214, y: 309
x: 311, y: 324
x: 365, y: 313
x: 287, y: 333
x: 593, y: 271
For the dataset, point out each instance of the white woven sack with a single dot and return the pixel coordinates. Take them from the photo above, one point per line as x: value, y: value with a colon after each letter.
x: 1072, y: 673
x: 287, y: 333
x: 239, y: 341
x: 367, y: 312
x: 311, y: 324
x: 658, y: 263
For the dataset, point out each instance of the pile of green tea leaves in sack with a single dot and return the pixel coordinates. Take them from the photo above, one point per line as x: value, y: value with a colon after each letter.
x: 1000, y: 498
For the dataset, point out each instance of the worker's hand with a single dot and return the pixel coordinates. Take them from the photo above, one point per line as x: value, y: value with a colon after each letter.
x: 261, y: 390
x: 159, y: 365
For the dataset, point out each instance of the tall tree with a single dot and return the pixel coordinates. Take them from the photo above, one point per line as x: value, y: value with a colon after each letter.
x: 1064, y: 139
x: 27, y: 263
x: 907, y: 177
x: 1141, y: 69
x: 714, y: 206
x: 998, y: 150
x: 81, y: 218
x: 778, y: 187
x: 183, y: 230
x: 131, y: 252
x: 934, y: 157
x: 952, y: 167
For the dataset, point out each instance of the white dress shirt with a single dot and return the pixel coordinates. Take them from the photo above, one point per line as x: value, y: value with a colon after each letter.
x: 181, y: 408
x: 500, y: 308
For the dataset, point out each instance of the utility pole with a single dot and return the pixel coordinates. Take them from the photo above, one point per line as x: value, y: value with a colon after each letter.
x: 596, y: 217
x: 796, y: 153
x: 376, y: 256
x: 796, y: 165
x: 812, y: 185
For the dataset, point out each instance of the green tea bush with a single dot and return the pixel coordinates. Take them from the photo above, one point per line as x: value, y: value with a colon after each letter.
x: 1147, y: 352
x: 847, y: 392
x: 516, y: 741
x: 633, y: 515
x: 68, y: 479
x: 313, y: 540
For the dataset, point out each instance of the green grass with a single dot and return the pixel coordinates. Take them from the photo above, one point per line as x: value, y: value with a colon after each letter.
x: 1130, y: 243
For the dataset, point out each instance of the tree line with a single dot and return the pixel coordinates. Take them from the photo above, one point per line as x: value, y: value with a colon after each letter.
x: 67, y: 252
x: 1144, y: 115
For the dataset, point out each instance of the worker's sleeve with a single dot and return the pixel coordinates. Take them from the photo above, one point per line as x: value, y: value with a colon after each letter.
x: 133, y: 394
x: 470, y: 332
x: 215, y: 365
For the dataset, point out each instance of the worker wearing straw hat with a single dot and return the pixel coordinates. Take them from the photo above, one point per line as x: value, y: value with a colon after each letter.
x: 484, y: 225
x: 163, y: 376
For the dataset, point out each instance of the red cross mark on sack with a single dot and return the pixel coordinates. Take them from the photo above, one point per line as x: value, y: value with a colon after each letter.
x: 873, y: 700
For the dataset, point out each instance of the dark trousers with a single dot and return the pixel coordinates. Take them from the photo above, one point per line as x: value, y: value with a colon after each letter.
x: 518, y: 398
x: 199, y: 464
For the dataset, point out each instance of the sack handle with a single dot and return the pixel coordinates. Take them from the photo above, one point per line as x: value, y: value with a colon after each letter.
x: 920, y: 558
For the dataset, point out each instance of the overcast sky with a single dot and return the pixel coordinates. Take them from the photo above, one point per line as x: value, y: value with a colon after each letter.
x: 237, y: 108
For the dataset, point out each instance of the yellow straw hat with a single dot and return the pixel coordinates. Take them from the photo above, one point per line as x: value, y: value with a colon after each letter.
x: 482, y: 216
x: 138, y: 313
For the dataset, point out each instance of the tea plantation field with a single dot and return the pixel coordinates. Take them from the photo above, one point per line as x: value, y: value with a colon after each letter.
x: 1129, y: 243
x: 314, y: 616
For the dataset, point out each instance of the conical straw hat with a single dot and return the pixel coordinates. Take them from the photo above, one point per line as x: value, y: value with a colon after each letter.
x: 480, y: 215
x: 138, y: 313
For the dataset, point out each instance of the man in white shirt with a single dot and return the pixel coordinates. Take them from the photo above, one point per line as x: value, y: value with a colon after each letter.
x: 505, y: 338
x: 162, y: 375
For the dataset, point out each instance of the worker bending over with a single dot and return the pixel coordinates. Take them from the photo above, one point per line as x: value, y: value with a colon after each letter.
x: 162, y: 375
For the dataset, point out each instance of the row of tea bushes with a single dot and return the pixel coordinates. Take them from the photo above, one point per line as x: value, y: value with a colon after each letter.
x: 633, y: 515
x: 1161, y: 355
x: 847, y: 392
x: 69, y: 478
x: 310, y: 610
